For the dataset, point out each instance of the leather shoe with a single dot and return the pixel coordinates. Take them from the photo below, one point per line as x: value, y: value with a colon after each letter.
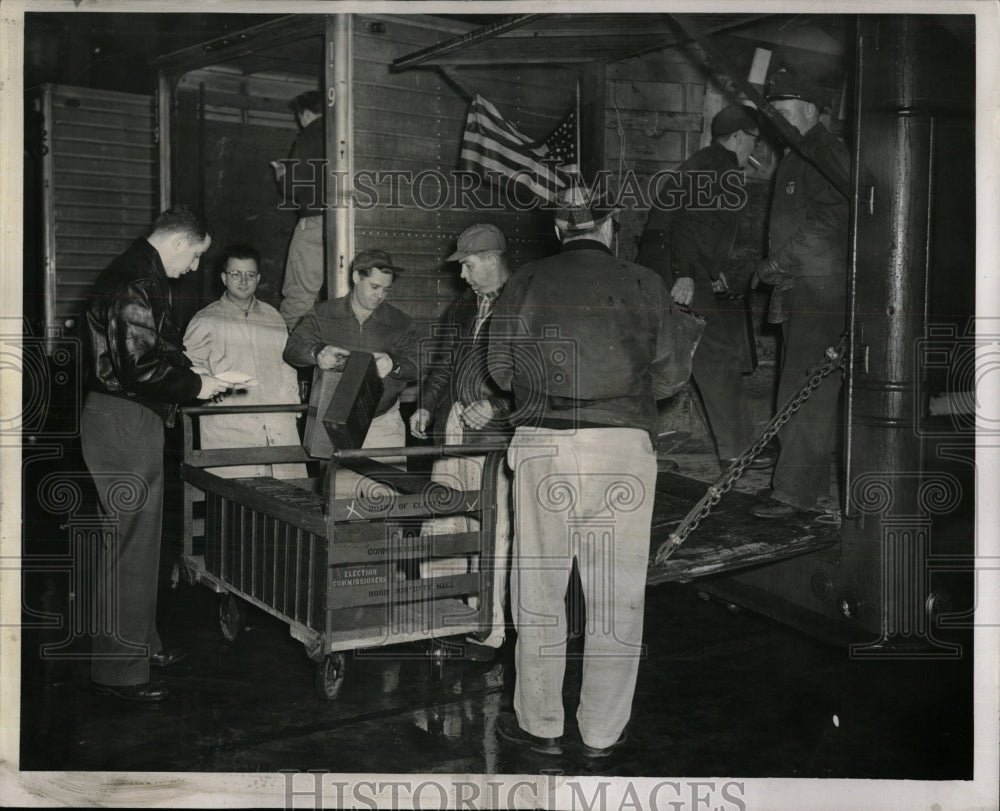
x: 664, y: 464
x: 595, y: 752
x: 167, y: 657
x: 474, y: 652
x: 148, y: 692
x: 510, y: 730
x: 764, y: 460
x: 772, y: 508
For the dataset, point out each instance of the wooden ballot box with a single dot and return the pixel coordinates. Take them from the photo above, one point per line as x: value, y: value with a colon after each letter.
x: 341, y: 406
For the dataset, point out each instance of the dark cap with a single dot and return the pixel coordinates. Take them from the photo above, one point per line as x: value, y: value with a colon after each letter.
x: 786, y: 85
x: 374, y: 258
x: 733, y: 118
x: 478, y: 238
x: 580, y: 211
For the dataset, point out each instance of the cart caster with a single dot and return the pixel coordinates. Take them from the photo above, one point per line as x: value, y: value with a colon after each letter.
x: 437, y: 653
x: 330, y: 675
x: 232, y: 616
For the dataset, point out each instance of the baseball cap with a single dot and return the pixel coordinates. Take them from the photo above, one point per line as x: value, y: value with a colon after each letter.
x: 477, y: 238
x: 373, y: 258
x: 733, y: 118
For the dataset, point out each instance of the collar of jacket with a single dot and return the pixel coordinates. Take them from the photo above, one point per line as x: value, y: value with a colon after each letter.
x: 585, y: 245
x: 728, y: 154
x: 379, y: 314
x: 143, y: 246
x: 228, y: 302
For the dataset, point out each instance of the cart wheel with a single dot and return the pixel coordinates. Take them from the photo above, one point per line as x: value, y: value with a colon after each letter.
x: 437, y: 655
x: 330, y: 675
x: 232, y: 616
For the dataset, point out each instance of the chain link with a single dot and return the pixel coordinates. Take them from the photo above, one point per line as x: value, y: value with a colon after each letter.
x: 833, y: 359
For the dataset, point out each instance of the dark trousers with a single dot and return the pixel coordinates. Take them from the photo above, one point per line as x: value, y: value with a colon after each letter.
x: 717, y: 368
x: 802, y: 474
x: 718, y: 372
x: 123, y: 448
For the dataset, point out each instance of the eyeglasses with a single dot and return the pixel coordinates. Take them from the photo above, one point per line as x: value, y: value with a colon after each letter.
x: 754, y: 135
x: 239, y: 274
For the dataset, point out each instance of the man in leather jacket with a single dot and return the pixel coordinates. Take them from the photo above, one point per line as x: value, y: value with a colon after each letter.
x: 136, y: 376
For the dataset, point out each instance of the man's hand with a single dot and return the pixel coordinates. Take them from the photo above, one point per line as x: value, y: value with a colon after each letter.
x: 279, y: 170
x: 212, y: 386
x: 418, y: 423
x: 720, y: 285
x: 331, y: 357
x: 768, y: 273
x: 477, y: 415
x: 683, y: 291
x: 383, y: 363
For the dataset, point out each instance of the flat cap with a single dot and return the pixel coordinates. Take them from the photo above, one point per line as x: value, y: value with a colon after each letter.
x: 734, y: 118
x: 374, y: 258
x: 786, y: 85
x: 482, y: 236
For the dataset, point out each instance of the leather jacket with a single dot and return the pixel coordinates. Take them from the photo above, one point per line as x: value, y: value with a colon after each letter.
x: 134, y: 347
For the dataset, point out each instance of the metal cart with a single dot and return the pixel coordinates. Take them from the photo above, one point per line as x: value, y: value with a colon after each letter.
x: 338, y: 570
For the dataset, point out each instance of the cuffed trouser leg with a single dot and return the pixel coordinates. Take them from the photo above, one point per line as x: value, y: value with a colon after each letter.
x: 586, y: 494
x: 123, y: 448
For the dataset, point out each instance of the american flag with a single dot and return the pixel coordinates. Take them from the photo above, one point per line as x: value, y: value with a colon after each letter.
x: 492, y: 144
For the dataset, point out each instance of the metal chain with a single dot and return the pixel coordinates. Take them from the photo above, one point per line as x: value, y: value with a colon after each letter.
x: 833, y: 359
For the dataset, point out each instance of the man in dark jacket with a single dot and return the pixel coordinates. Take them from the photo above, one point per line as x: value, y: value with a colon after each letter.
x: 689, y: 248
x: 136, y: 375
x: 462, y: 404
x: 304, y: 264
x: 808, y: 242
x: 363, y: 321
x: 587, y: 343
x: 462, y: 388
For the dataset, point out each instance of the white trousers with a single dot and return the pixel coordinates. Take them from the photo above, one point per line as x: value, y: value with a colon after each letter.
x: 584, y: 494
x: 466, y: 473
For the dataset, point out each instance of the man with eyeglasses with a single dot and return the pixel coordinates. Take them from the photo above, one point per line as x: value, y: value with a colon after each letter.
x: 239, y: 333
x: 689, y: 247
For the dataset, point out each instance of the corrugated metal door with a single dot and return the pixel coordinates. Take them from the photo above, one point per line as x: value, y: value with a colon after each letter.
x: 99, y: 190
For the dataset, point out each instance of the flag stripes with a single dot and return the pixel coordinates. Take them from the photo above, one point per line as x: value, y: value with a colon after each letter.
x: 491, y: 144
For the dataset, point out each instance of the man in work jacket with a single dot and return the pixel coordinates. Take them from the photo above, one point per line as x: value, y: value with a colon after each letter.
x: 587, y: 343
x: 807, y: 264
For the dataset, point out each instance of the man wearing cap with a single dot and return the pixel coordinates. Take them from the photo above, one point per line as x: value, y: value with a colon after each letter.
x: 587, y: 343
x: 689, y: 249
x: 460, y: 403
x: 363, y: 321
x: 808, y: 241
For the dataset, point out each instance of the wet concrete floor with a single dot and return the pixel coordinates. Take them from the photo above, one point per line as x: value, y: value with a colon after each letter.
x: 719, y: 693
